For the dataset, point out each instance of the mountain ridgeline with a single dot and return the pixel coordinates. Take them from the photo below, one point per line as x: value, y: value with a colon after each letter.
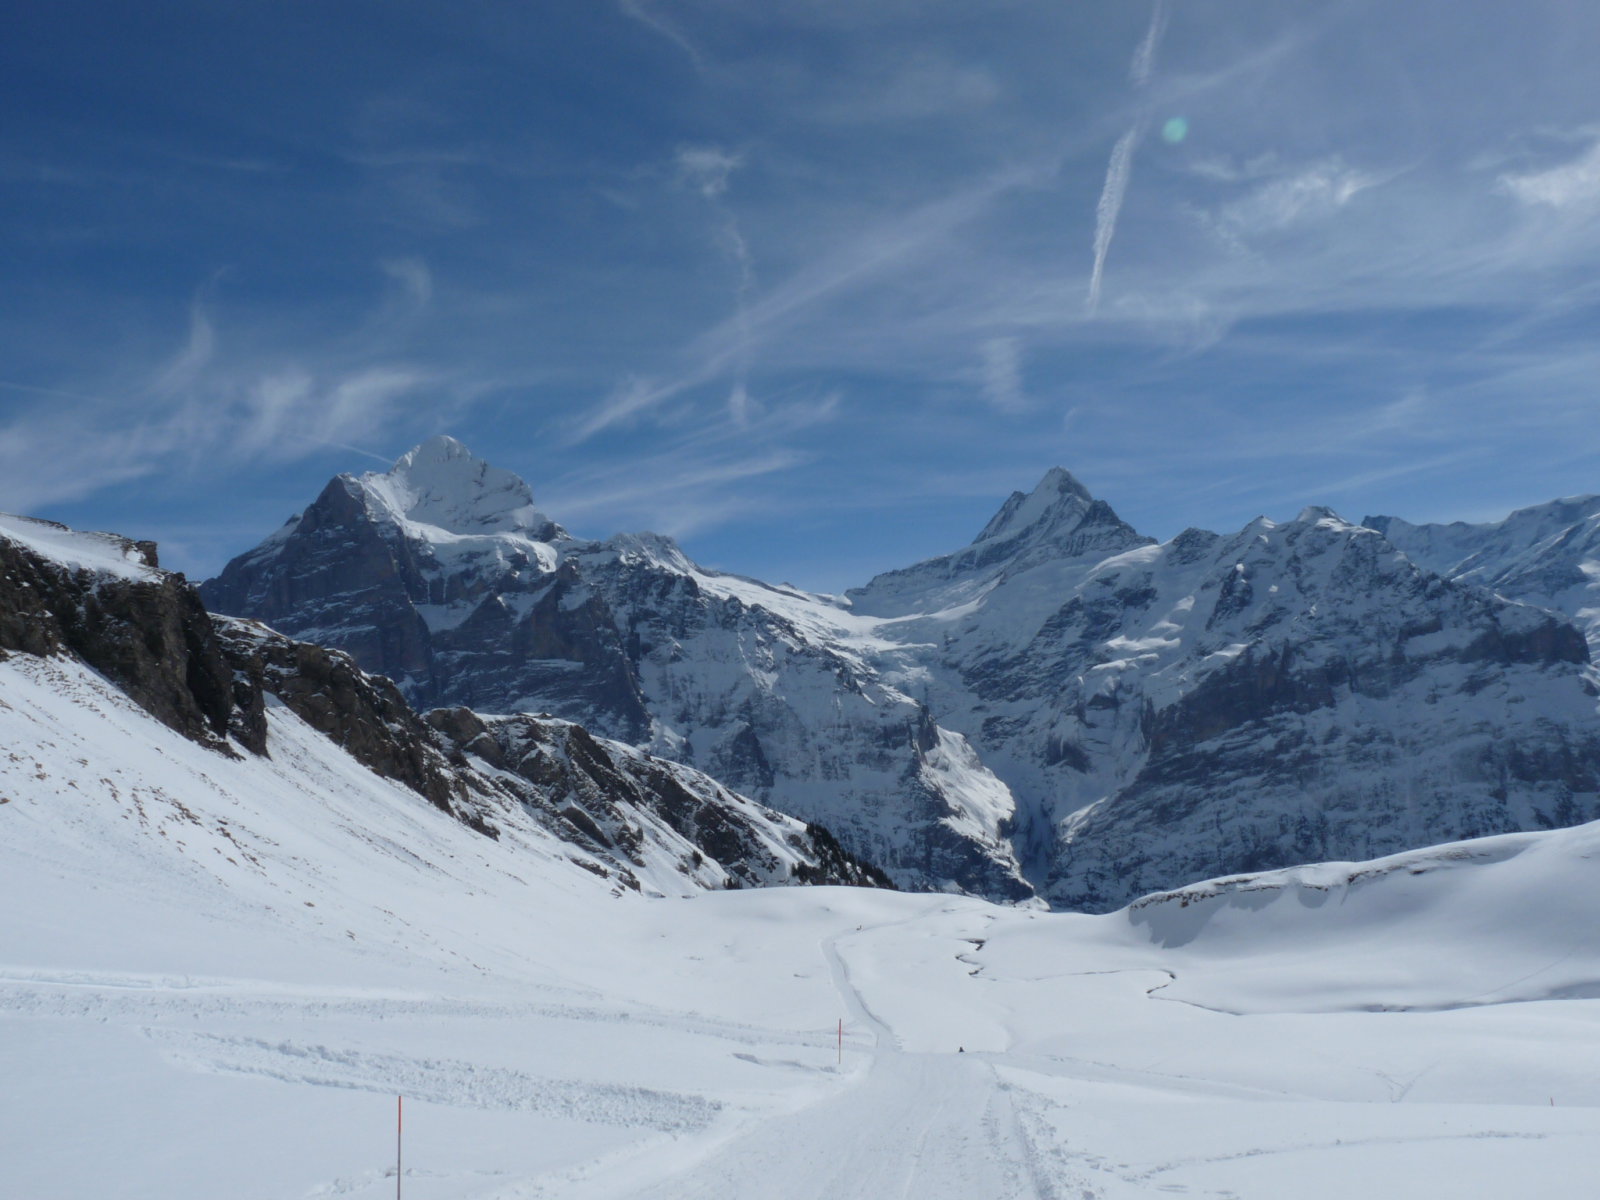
x: 1063, y: 709
x: 102, y: 601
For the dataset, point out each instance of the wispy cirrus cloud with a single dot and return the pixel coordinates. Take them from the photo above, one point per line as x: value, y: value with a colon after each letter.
x: 1570, y: 185
x: 1002, y: 374
x: 708, y: 169
x: 1283, y: 198
x: 212, y: 406
x: 649, y: 15
x: 887, y: 246
x: 696, y: 479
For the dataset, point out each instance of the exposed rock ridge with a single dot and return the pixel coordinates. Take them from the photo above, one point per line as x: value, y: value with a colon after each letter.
x: 213, y: 678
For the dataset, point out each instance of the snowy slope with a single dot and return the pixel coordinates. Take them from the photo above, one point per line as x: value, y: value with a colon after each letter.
x: 220, y: 972
x: 441, y: 575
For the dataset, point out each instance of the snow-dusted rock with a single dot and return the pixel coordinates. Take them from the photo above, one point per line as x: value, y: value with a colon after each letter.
x: 769, y: 690
x: 1290, y: 693
x: 1547, y: 555
x: 97, y: 601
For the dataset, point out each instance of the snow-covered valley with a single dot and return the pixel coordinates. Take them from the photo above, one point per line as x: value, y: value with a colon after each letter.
x: 259, y: 900
x: 229, y: 969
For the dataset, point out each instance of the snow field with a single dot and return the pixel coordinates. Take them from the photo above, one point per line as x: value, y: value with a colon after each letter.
x: 217, y: 974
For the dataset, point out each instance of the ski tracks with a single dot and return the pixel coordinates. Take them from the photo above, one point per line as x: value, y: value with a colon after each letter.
x: 450, y: 1082
x: 908, y: 1126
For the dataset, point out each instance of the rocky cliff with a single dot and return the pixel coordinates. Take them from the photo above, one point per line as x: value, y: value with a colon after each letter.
x: 102, y: 600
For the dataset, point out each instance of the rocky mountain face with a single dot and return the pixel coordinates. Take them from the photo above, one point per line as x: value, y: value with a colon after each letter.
x: 441, y: 575
x: 1292, y: 693
x: 1057, y: 526
x: 1547, y: 555
x: 102, y: 600
x: 1063, y: 705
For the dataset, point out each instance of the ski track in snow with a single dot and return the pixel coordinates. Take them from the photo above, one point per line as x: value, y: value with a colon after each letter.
x: 444, y: 1081
x: 906, y: 1125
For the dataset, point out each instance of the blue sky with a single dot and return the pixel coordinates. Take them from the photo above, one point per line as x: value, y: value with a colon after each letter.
x: 810, y: 284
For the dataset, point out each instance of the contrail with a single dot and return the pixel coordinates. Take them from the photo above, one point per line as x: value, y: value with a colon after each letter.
x: 1120, y: 168
x: 1105, y: 213
x: 1144, y: 58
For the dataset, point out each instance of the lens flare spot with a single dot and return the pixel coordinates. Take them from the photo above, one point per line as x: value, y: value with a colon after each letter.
x: 1175, y: 130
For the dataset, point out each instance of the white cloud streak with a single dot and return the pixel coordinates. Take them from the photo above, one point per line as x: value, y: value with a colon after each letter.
x: 1120, y: 169
x: 1309, y: 193
x: 278, y: 416
x: 192, y: 359
x: 708, y: 169
x: 203, y: 411
x: 1572, y: 185
x: 646, y: 16
x: 696, y: 480
x: 413, y: 276
x: 1144, y: 58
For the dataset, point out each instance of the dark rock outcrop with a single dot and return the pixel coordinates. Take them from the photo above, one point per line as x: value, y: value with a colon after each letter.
x: 147, y: 632
x: 604, y: 792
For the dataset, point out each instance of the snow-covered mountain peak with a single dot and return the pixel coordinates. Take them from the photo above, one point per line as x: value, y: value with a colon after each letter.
x: 1058, y: 522
x: 1059, y: 499
x: 649, y: 549
x: 1316, y: 514
x: 443, y: 484
x: 1548, y: 555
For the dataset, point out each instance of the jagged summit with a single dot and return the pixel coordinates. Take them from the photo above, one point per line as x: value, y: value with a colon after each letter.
x: 1059, y: 521
x: 1059, y: 498
x: 443, y: 484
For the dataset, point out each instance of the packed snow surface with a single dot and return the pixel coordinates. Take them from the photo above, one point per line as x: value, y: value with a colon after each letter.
x: 102, y: 553
x: 216, y: 976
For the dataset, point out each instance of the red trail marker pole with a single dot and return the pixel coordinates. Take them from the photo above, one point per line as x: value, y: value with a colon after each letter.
x: 399, y: 1132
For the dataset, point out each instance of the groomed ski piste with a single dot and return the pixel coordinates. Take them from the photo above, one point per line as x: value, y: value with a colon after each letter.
x: 216, y: 976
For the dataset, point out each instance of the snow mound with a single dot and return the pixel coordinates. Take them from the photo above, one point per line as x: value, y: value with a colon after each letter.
x: 1494, y: 920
